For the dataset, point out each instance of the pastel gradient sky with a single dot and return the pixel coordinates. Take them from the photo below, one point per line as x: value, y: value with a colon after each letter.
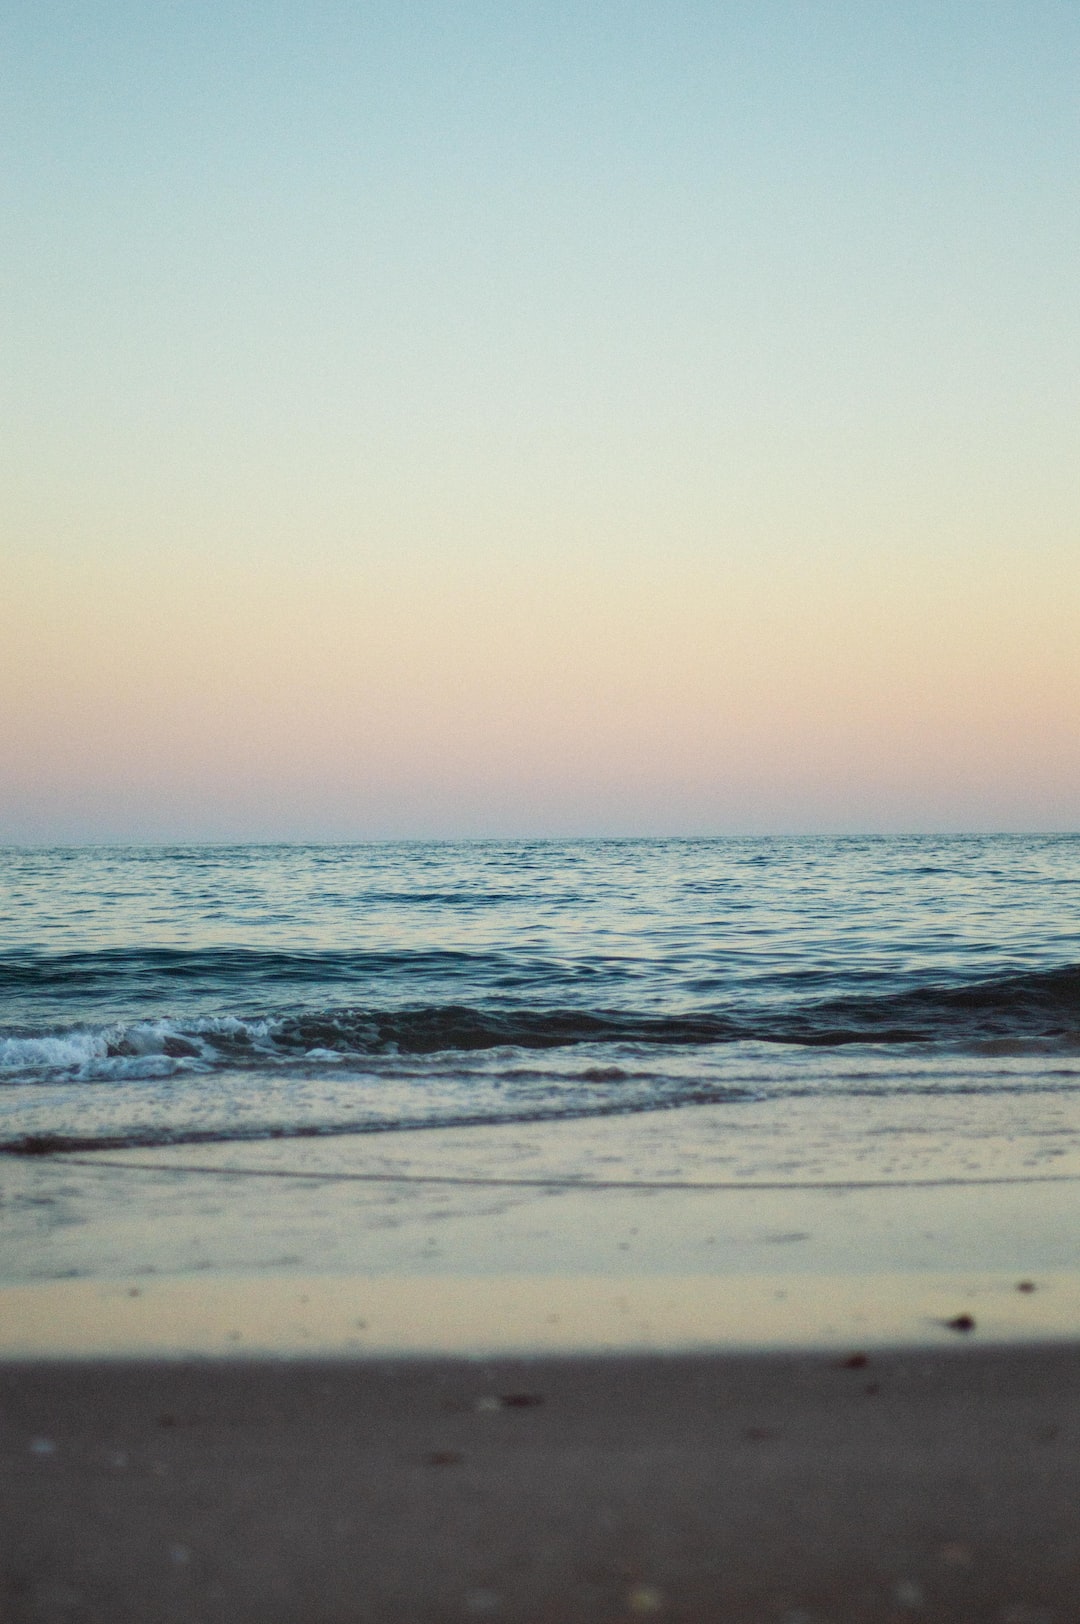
x: 585, y: 416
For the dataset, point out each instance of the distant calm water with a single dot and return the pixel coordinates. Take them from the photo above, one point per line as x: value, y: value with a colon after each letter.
x: 210, y: 993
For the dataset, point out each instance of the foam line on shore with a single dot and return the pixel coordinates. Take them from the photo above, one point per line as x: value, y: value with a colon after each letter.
x: 557, y: 1182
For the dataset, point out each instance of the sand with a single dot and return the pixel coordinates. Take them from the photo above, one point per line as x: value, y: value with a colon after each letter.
x: 793, y: 1487
x: 337, y: 1389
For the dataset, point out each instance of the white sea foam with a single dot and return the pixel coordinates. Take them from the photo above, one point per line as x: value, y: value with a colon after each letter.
x: 140, y: 1049
x: 93, y: 1055
x: 62, y: 1053
x: 123, y: 1068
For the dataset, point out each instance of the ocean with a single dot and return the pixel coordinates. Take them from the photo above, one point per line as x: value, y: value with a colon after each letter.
x: 165, y: 995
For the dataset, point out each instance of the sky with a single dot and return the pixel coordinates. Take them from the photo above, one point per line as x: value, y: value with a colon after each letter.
x: 564, y: 418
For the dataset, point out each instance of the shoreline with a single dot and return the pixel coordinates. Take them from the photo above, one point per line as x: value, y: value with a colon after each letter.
x: 679, y: 1231
x: 564, y: 1405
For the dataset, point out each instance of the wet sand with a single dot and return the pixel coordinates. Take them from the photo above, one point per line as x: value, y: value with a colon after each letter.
x: 787, y: 1487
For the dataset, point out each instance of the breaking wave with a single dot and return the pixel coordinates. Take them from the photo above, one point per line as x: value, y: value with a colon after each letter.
x: 1034, y: 1010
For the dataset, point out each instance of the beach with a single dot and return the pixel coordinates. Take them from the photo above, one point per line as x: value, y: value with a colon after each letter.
x: 777, y: 1487
x: 541, y: 1232
x: 340, y: 1380
x: 540, y: 814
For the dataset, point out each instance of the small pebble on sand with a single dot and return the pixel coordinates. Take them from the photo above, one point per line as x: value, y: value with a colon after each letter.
x: 645, y: 1599
x: 909, y: 1595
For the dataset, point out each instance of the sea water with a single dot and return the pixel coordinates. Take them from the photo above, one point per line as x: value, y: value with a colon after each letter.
x: 164, y: 995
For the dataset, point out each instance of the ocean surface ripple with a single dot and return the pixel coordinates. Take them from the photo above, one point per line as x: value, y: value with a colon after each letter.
x: 157, y: 995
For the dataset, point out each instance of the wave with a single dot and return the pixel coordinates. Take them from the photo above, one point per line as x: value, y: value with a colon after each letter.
x: 1039, y: 1005
x: 149, y: 1138
x: 1036, y: 1009
x: 149, y: 1135
x: 805, y: 1004
x: 223, y: 967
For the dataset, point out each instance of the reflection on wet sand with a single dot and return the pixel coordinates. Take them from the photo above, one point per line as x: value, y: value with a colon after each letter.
x: 290, y: 1315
